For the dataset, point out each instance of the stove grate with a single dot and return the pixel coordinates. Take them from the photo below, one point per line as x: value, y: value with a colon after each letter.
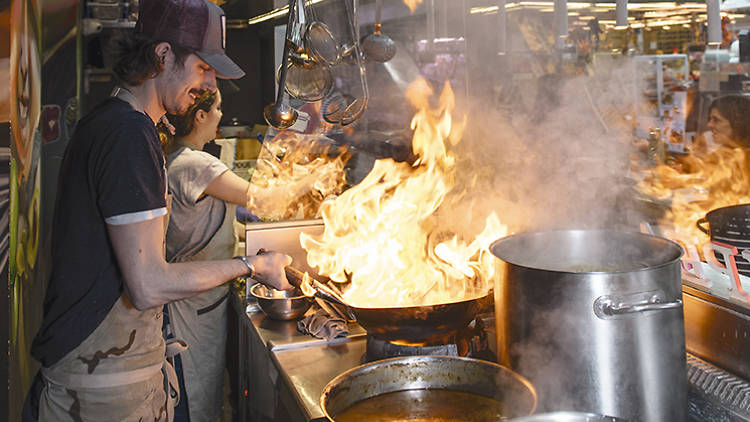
x: 721, y: 386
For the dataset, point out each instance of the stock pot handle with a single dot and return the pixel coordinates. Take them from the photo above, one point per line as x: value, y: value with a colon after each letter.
x: 700, y: 223
x: 608, y: 306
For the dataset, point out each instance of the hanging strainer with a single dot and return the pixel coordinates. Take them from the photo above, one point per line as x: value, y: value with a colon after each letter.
x: 307, y: 80
x: 333, y: 106
x: 321, y: 44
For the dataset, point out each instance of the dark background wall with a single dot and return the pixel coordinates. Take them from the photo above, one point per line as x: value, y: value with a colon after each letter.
x: 4, y: 200
x: 4, y: 203
x: 50, y: 25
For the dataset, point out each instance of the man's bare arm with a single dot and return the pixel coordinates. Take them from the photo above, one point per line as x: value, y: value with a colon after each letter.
x: 151, y: 281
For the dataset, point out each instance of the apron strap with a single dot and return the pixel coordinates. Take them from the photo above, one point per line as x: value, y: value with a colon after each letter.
x: 88, y: 381
x: 174, y: 347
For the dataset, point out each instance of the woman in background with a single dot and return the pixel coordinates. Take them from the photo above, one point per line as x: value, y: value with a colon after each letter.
x: 729, y: 120
x: 205, y: 195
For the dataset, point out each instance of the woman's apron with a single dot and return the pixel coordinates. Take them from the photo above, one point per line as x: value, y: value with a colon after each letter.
x: 122, y: 370
x: 201, y: 321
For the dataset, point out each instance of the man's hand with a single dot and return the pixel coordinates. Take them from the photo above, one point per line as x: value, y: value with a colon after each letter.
x: 269, y: 269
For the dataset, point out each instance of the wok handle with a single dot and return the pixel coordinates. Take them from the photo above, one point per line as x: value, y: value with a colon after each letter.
x: 295, y: 278
x: 700, y: 223
x: 607, y: 306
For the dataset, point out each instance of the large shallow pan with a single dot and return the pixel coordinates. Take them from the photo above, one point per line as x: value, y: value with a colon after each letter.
x: 434, y: 388
x: 410, y: 323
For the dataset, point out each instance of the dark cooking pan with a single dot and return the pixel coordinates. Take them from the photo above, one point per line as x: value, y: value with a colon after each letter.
x: 409, y: 323
x: 730, y: 225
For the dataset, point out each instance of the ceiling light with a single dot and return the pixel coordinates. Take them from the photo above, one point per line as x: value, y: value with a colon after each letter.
x: 487, y: 9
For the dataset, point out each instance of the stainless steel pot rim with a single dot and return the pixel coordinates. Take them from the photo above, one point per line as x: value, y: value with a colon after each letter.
x: 634, y: 234
x: 567, y: 417
x: 257, y: 286
x: 419, y: 359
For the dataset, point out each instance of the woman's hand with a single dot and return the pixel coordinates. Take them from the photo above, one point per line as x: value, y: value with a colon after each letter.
x: 269, y: 269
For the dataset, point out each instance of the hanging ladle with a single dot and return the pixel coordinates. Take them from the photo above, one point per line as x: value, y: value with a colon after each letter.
x: 279, y: 114
x: 377, y: 46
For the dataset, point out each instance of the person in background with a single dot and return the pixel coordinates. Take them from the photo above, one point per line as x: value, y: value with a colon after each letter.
x: 727, y: 149
x: 100, y: 344
x: 205, y: 195
x: 729, y: 121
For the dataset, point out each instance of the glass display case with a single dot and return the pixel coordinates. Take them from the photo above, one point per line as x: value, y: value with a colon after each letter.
x: 661, y: 83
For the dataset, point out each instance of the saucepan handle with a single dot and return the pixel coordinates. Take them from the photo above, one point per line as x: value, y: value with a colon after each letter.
x: 606, y: 307
x: 700, y: 224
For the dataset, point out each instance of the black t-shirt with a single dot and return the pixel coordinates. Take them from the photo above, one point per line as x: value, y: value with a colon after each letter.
x: 112, y: 171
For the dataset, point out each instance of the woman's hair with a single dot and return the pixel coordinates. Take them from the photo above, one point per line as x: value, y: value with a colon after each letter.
x: 184, y: 123
x: 135, y: 60
x: 736, y: 109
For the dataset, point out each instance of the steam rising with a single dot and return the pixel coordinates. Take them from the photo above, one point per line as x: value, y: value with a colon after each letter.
x: 561, y: 162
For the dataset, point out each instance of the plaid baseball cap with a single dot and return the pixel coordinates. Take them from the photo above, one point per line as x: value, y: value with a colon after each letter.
x: 198, y: 25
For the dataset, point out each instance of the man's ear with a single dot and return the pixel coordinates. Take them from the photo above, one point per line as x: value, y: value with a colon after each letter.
x: 161, y: 50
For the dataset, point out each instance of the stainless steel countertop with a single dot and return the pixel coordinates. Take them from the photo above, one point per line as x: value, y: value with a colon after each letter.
x: 305, y: 363
x: 306, y: 371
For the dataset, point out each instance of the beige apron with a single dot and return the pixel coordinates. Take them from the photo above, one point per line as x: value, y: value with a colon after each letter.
x: 201, y: 321
x: 114, y: 375
x: 117, y: 373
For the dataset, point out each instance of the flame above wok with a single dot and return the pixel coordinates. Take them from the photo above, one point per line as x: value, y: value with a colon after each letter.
x: 385, y: 237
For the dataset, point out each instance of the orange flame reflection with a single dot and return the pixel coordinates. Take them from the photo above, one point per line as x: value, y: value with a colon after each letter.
x: 383, y: 234
x: 412, y: 4
x: 702, y: 184
x: 306, y: 286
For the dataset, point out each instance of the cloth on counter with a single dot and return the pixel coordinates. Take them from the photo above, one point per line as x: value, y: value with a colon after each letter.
x: 322, y: 325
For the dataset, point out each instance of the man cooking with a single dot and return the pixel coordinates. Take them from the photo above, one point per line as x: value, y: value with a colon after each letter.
x: 100, y: 343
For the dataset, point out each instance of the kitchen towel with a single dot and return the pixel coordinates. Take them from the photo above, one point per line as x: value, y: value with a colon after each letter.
x: 322, y: 325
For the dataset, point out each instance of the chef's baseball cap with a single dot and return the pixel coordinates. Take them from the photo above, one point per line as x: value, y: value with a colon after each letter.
x: 197, y: 25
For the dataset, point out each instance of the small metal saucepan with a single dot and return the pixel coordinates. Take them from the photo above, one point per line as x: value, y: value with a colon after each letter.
x: 281, y: 304
x: 434, y: 388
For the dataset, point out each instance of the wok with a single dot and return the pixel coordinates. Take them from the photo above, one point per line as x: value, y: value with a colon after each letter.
x: 415, y: 324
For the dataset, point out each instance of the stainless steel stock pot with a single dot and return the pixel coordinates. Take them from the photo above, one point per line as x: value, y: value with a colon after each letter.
x: 593, y: 318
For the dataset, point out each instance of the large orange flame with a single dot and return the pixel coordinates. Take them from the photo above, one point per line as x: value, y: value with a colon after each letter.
x: 703, y: 183
x: 383, y: 236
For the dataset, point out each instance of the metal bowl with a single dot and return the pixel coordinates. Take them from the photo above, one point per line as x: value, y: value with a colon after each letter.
x: 428, y: 388
x: 567, y: 417
x: 281, y: 304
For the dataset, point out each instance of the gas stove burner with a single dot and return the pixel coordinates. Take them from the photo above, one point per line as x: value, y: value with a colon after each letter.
x: 470, y: 342
x: 378, y: 349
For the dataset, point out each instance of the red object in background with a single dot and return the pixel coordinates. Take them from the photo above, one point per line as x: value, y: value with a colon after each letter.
x: 50, y: 122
